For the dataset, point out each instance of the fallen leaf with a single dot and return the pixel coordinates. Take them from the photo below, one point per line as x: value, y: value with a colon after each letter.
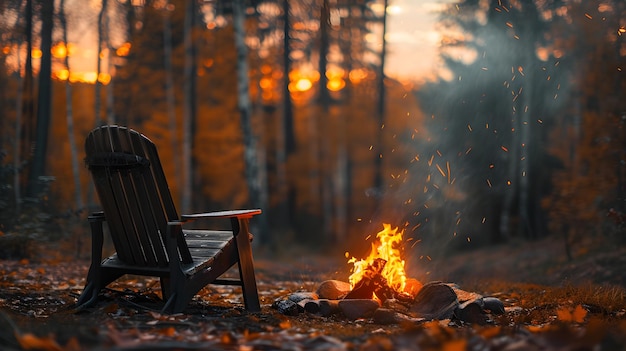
x: 579, y: 314
x: 490, y: 332
x: 30, y: 341
x: 171, y: 331
x: 576, y: 315
x: 455, y: 345
x: 563, y: 314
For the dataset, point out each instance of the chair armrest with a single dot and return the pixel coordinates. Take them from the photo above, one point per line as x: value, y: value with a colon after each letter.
x: 221, y: 214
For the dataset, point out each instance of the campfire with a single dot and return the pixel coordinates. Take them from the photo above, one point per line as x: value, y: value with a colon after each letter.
x: 378, y: 288
x: 382, y: 275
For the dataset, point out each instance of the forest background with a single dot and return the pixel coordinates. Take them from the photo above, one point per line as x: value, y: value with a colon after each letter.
x: 284, y: 106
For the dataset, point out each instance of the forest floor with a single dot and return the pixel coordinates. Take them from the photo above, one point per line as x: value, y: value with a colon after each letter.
x: 550, y: 304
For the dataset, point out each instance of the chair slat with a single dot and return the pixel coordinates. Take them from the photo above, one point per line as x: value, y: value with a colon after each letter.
x: 99, y: 141
x: 163, y: 191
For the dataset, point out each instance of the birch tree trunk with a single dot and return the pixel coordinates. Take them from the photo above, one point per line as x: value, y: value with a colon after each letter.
x: 245, y: 106
x: 285, y: 142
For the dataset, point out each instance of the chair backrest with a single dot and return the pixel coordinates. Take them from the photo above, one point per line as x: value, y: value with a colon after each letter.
x: 134, y: 195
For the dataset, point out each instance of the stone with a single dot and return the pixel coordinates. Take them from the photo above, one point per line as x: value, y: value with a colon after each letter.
x: 286, y: 307
x: 333, y: 289
x: 471, y: 311
x: 358, y: 308
x: 494, y: 305
x: 304, y: 295
x: 322, y: 307
x: 394, y: 304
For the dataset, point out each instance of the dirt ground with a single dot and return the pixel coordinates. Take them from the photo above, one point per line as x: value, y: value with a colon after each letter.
x: 551, y: 304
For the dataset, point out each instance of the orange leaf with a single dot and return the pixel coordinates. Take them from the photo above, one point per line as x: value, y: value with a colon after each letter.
x: 535, y: 328
x: 564, y: 314
x: 490, y: 332
x: 227, y: 338
x: 455, y: 345
x: 73, y: 344
x: 579, y: 314
x: 171, y: 331
x: 30, y: 341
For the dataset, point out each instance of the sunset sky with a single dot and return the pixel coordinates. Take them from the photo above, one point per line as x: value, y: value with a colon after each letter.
x: 412, y: 39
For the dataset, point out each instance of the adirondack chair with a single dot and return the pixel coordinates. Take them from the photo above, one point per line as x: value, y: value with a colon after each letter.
x: 147, y: 233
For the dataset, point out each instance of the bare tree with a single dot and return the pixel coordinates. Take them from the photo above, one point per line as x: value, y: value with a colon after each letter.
x: 44, y: 100
x: 245, y: 106
x: 101, y: 34
x: 169, y: 85
x: 188, y: 108
x: 380, y: 110
x: 69, y: 114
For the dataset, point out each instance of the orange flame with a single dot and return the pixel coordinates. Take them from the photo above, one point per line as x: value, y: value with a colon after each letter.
x: 386, y: 247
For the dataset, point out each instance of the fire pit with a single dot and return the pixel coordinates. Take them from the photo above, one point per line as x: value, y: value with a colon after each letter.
x: 378, y: 288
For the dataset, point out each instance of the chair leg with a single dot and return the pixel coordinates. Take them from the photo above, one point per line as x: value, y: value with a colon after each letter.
x: 174, y: 286
x: 94, y: 276
x: 246, y: 265
x: 89, y: 295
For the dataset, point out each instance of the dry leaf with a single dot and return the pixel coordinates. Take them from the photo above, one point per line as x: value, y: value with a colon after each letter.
x: 455, y: 345
x: 563, y: 314
x: 579, y: 314
x: 490, y: 332
x: 30, y: 341
x: 576, y: 315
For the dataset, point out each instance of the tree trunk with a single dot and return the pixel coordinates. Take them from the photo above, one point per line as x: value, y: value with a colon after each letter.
x: 245, y: 107
x: 324, y: 100
x: 44, y: 100
x: 99, y: 62
x: 189, y: 110
x: 285, y: 143
x: 109, y: 102
x: 27, y: 124
x: 380, y: 111
x: 169, y: 91
x: 21, y: 110
x: 78, y: 196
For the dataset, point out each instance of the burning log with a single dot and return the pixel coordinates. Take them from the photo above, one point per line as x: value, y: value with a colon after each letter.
x: 373, y: 283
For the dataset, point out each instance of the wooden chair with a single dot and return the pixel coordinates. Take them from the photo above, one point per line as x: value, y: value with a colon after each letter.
x: 147, y: 232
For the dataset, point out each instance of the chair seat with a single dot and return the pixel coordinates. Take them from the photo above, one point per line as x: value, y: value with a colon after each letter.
x: 204, y: 245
